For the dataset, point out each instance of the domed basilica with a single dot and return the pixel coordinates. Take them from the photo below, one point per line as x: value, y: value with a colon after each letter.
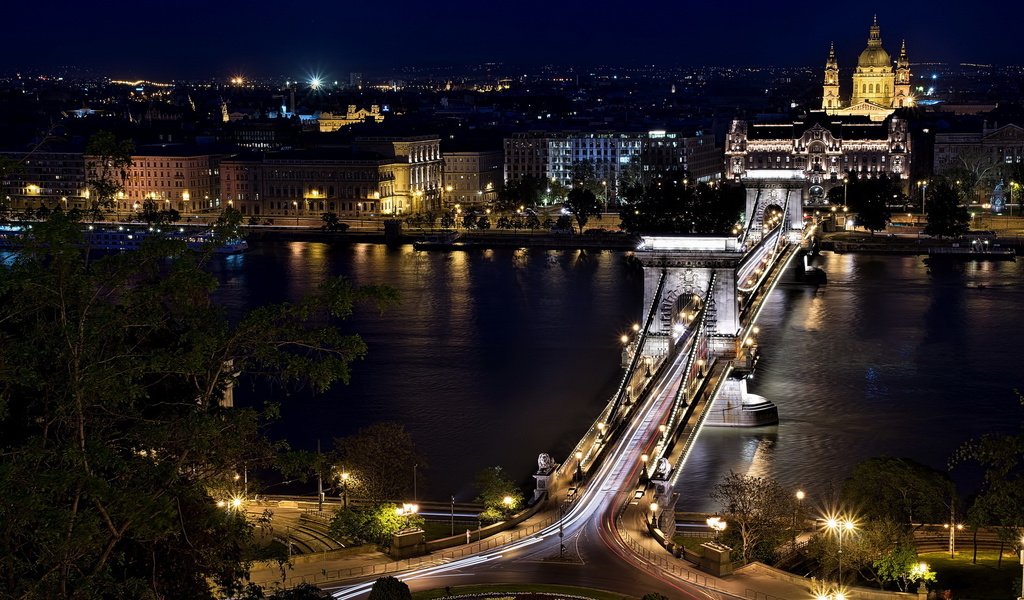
x: 878, y: 88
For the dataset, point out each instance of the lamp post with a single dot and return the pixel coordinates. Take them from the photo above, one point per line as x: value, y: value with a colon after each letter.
x: 717, y: 524
x: 840, y: 526
x: 453, y: 515
x: 800, y: 495
x: 953, y: 528
x: 643, y: 469
x: 654, y: 513
x: 1022, y: 567
x: 923, y: 184
x: 344, y: 488
x: 578, y: 476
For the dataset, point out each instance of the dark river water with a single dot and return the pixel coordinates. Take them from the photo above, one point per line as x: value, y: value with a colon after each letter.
x: 497, y: 355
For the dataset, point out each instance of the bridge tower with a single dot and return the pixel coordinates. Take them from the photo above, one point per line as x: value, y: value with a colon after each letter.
x: 680, y: 274
x: 774, y: 193
x: 677, y: 273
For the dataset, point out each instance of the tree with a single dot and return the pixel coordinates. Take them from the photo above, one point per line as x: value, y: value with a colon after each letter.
x: 483, y: 223
x: 110, y: 159
x: 902, y: 567
x: 499, y: 495
x: 371, y: 524
x: 332, y: 224
x: 381, y: 459
x: 582, y: 204
x: 1000, y: 500
x: 469, y: 221
x: 112, y: 373
x: 525, y: 191
x: 447, y: 220
x: 668, y: 205
x: 389, y: 588
x: 871, y: 198
x: 758, y: 508
x: 900, y: 490
x: 583, y: 176
x: 946, y: 216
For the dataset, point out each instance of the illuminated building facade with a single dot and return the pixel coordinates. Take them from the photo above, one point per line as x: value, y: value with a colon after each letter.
x: 822, y: 146
x: 390, y: 176
x: 44, y: 178
x: 550, y: 155
x: 878, y: 89
x: 472, y: 177
x: 332, y: 122
x: 416, y: 167
x: 172, y: 176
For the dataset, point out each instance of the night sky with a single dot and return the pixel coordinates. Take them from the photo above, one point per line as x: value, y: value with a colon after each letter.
x: 188, y: 38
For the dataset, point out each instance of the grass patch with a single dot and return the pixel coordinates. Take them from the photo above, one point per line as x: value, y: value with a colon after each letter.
x: 983, y: 581
x: 525, y: 588
x: 690, y: 542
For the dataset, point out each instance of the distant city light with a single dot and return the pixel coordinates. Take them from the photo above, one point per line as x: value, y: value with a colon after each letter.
x: 315, y: 83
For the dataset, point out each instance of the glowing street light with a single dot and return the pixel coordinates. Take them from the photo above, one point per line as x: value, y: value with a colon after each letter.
x: 315, y: 83
x: 840, y: 526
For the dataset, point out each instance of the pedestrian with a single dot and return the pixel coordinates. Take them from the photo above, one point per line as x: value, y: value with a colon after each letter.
x: 467, y: 536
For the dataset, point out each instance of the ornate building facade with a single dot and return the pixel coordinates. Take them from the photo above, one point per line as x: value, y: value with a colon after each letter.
x: 821, y: 147
x: 878, y: 88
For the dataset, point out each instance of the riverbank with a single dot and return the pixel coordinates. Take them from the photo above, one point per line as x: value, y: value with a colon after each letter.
x: 904, y: 244
x: 593, y: 239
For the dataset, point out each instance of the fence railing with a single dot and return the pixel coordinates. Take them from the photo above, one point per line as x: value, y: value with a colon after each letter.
x: 437, y: 558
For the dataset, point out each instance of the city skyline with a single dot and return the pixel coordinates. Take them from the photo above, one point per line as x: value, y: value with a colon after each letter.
x: 145, y: 41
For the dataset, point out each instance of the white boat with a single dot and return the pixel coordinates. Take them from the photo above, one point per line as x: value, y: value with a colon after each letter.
x: 440, y: 241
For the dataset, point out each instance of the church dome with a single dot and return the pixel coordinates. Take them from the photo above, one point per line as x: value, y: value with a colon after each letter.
x: 874, y: 56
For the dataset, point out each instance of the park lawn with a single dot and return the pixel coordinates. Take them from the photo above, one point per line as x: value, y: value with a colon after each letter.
x: 690, y: 542
x: 983, y: 581
x: 524, y: 588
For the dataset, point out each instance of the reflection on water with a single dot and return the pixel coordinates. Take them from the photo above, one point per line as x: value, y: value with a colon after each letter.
x: 893, y: 357
x: 493, y: 357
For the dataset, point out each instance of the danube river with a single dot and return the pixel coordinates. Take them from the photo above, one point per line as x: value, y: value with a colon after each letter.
x: 497, y: 355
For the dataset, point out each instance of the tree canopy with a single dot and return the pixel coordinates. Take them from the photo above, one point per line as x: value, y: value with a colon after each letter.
x: 947, y: 217
x: 871, y: 198
x: 582, y: 204
x: 668, y: 205
x: 116, y: 453
x: 381, y: 459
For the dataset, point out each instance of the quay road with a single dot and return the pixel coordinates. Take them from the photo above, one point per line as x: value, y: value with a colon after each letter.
x: 593, y: 556
x: 601, y: 546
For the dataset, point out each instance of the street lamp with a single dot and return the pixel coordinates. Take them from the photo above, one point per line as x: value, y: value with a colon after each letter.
x: 840, y: 526
x: 800, y: 495
x: 654, y: 512
x: 923, y: 184
x: 1022, y: 567
x: 344, y: 488
x: 643, y: 459
x: 507, y: 501
x: 578, y: 476
x: 953, y: 528
x: 717, y: 524
x: 407, y: 510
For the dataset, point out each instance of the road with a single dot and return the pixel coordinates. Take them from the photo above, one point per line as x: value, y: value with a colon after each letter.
x: 594, y: 556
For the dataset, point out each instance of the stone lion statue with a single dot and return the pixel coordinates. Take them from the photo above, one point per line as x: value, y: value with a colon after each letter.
x: 544, y: 462
x: 662, y: 470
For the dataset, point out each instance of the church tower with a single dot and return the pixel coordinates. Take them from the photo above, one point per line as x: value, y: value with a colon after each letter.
x: 830, y: 95
x: 902, y: 95
x: 874, y: 80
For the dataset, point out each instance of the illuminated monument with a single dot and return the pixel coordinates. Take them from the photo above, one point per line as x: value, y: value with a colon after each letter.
x: 878, y: 88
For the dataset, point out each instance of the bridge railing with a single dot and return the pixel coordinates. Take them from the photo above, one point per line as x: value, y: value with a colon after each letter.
x: 697, y: 352
x: 585, y: 445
